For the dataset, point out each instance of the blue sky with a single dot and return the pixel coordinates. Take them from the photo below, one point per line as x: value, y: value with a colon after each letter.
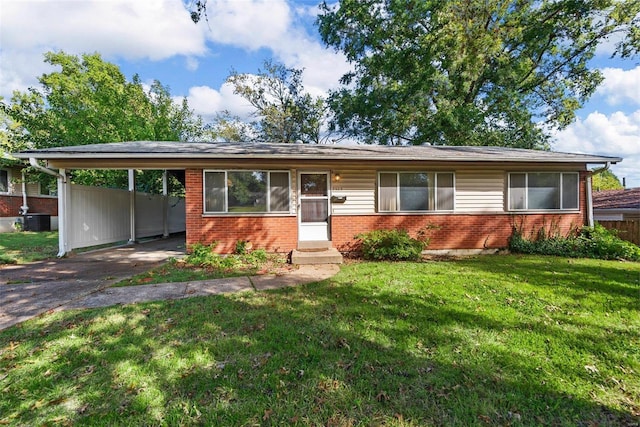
x: 157, y: 40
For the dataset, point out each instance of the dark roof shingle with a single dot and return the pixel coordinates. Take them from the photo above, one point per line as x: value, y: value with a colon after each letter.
x: 226, y: 150
x: 617, y: 199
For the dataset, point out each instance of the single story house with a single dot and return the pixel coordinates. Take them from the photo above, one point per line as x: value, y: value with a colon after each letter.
x: 281, y: 197
x: 616, y: 205
x: 18, y: 196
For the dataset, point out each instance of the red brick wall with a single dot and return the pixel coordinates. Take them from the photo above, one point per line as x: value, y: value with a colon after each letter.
x: 460, y: 231
x: 450, y: 231
x: 10, y: 205
x: 273, y: 233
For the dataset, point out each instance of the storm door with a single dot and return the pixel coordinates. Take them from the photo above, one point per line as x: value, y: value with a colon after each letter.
x: 313, y: 212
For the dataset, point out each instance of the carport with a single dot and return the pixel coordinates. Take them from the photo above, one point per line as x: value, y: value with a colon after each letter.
x: 90, y: 216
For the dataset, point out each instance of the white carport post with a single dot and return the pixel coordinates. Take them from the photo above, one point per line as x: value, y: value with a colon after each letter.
x: 64, y: 187
x: 165, y: 204
x: 132, y: 205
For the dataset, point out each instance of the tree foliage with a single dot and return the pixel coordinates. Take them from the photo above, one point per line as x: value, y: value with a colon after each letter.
x: 285, y: 112
x: 605, y: 180
x: 89, y: 101
x: 469, y: 72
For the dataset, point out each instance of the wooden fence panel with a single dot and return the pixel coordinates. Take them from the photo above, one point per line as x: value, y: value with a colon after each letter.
x: 628, y: 229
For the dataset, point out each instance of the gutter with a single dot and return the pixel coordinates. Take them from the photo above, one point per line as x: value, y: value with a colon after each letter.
x: 34, y: 163
x: 62, y: 204
x: 589, y: 192
x: 24, y: 209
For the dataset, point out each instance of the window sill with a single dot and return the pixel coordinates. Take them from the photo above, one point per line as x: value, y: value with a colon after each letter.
x: 245, y: 214
x: 416, y: 212
x: 544, y: 211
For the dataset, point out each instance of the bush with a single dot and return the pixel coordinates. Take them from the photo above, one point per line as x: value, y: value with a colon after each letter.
x: 588, y: 242
x: 395, y: 245
x: 204, y: 256
x: 605, y: 244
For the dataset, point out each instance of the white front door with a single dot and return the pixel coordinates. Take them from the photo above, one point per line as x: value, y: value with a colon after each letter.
x: 313, y: 212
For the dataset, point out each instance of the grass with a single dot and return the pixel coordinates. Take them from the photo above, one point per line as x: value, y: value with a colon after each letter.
x: 501, y: 340
x: 181, y: 271
x: 27, y: 246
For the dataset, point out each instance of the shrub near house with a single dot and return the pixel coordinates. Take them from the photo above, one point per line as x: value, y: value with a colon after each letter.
x: 588, y: 242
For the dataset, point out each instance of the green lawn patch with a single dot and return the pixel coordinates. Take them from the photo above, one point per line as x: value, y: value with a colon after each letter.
x: 182, y: 271
x: 27, y: 246
x: 496, y: 340
x: 202, y: 263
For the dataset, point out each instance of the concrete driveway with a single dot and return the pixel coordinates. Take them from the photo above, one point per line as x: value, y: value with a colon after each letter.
x: 31, y: 289
x: 84, y: 280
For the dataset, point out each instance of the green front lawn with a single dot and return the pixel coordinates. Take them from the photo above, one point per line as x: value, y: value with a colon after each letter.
x: 182, y: 271
x: 499, y: 340
x: 27, y: 246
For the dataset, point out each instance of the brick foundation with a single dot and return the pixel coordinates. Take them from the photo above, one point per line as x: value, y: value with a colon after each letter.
x: 452, y: 231
x: 10, y: 205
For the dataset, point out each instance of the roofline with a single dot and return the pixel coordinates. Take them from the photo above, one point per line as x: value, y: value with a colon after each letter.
x: 162, y: 150
x: 106, y: 156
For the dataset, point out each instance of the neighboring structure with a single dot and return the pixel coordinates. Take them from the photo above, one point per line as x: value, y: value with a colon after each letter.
x: 286, y: 196
x: 616, y: 205
x: 13, y: 202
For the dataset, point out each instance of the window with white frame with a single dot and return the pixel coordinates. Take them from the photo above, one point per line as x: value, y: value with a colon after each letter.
x: 415, y: 191
x: 4, y: 181
x: 543, y: 191
x: 246, y: 191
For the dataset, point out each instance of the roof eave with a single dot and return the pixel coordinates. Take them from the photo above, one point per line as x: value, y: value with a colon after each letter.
x: 210, y: 156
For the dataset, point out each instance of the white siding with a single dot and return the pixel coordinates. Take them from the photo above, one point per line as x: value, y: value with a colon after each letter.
x: 480, y: 191
x: 33, y: 189
x: 359, y: 187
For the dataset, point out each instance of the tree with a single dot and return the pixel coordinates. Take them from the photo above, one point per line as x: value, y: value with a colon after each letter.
x: 89, y: 101
x: 285, y: 112
x: 171, y: 121
x: 229, y: 127
x: 469, y: 72
x: 605, y: 180
x: 7, y: 145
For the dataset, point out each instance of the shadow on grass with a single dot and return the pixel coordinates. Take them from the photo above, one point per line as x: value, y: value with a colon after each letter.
x: 615, y: 278
x: 352, y: 350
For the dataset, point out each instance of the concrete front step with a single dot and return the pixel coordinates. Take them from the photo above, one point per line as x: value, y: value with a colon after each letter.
x: 326, y: 256
x: 314, y: 245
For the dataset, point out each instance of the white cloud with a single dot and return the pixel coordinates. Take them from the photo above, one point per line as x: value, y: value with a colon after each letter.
x: 617, y: 135
x: 249, y: 24
x: 322, y: 67
x: 126, y: 29
x: 609, y: 45
x: 206, y: 102
x: 131, y: 29
x: 274, y: 25
x: 156, y: 30
x: 192, y: 63
x: 620, y: 86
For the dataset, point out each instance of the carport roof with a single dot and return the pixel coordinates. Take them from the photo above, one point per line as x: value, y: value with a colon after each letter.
x: 149, y: 150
